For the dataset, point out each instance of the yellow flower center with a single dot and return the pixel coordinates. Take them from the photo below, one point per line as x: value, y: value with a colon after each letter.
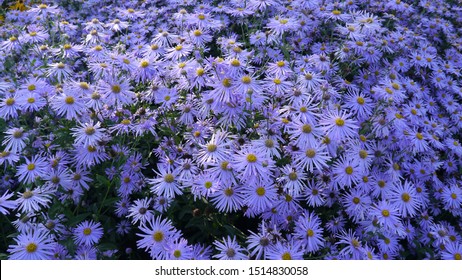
x: 349, y: 170
x: 116, y: 89
x: 385, y: 213
x: 235, y: 63
x: 30, y: 166
x: 229, y: 192
x: 208, y: 185
x: 200, y: 72
x: 27, y: 194
x: 306, y: 128
x: 339, y: 122
x: 293, y: 176
x: 226, y: 82
x: 84, y: 85
x: 405, y: 197
x: 311, y: 153
x: 246, y: 79
x: 211, y: 148
x: 31, y: 247
x: 197, y: 33
x: 360, y: 100
x: 260, y: 191
x: 251, y: 158
x: 87, y: 231
x: 144, y: 64
x: 309, y: 233
x: 286, y: 256
x: 10, y: 101
x: 177, y: 253
x: 90, y: 130
x: 169, y: 178
x: 31, y: 87
x: 158, y: 236
x: 69, y: 100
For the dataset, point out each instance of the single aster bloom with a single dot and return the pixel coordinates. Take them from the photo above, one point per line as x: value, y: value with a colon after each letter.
x: 34, y: 244
x: 229, y: 249
x: 32, y: 169
x: 166, y: 184
x: 339, y: 126
x: 87, y: 233
x: 15, y: 139
x: 88, y: 134
x: 405, y: 198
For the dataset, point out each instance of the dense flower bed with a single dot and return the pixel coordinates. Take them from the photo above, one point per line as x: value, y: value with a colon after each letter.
x: 258, y: 129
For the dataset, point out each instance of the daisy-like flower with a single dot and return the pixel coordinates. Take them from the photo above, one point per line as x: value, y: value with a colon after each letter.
x: 34, y: 244
x: 88, y: 134
x: 339, y: 125
x: 117, y: 25
x: 387, y: 214
x: 155, y: 236
x: 59, y: 71
x: 259, y: 197
x: 293, y: 180
x: 229, y: 249
x: 15, y: 139
x: 308, y: 228
x: 346, y: 172
x: 285, y: 251
x: 69, y: 105
x: 32, y: 169
x: 204, y: 185
x: 452, y: 197
x: 166, y: 184
x: 315, y: 156
x: 228, y: 199
x: 404, y: 197
x: 215, y: 150
x: 87, y: 233
x: 249, y: 163
x: 139, y: 211
x: 357, y: 204
x: 179, y: 250
x: 9, y: 107
x: 280, y: 25
x: 353, y: 247
x: 258, y: 242
x: 116, y: 91
x: 304, y: 134
x: 452, y: 251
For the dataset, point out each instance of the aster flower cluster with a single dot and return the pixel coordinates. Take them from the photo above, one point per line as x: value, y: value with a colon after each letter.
x: 259, y: 129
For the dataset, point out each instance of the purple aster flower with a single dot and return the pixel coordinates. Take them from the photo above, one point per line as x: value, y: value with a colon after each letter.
x: 32, y: 245
x: 285, y: 251
x: 308, y: 229
x: 155, y: 236
x: 32, y: 169
x: 339, y: 125
x: 87, y: 233
x: 139, y: 211
x: 88, y: 134
x: 229, y: 249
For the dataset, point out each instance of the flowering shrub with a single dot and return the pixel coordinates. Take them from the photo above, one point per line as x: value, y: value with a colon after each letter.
x: 258, y: 129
